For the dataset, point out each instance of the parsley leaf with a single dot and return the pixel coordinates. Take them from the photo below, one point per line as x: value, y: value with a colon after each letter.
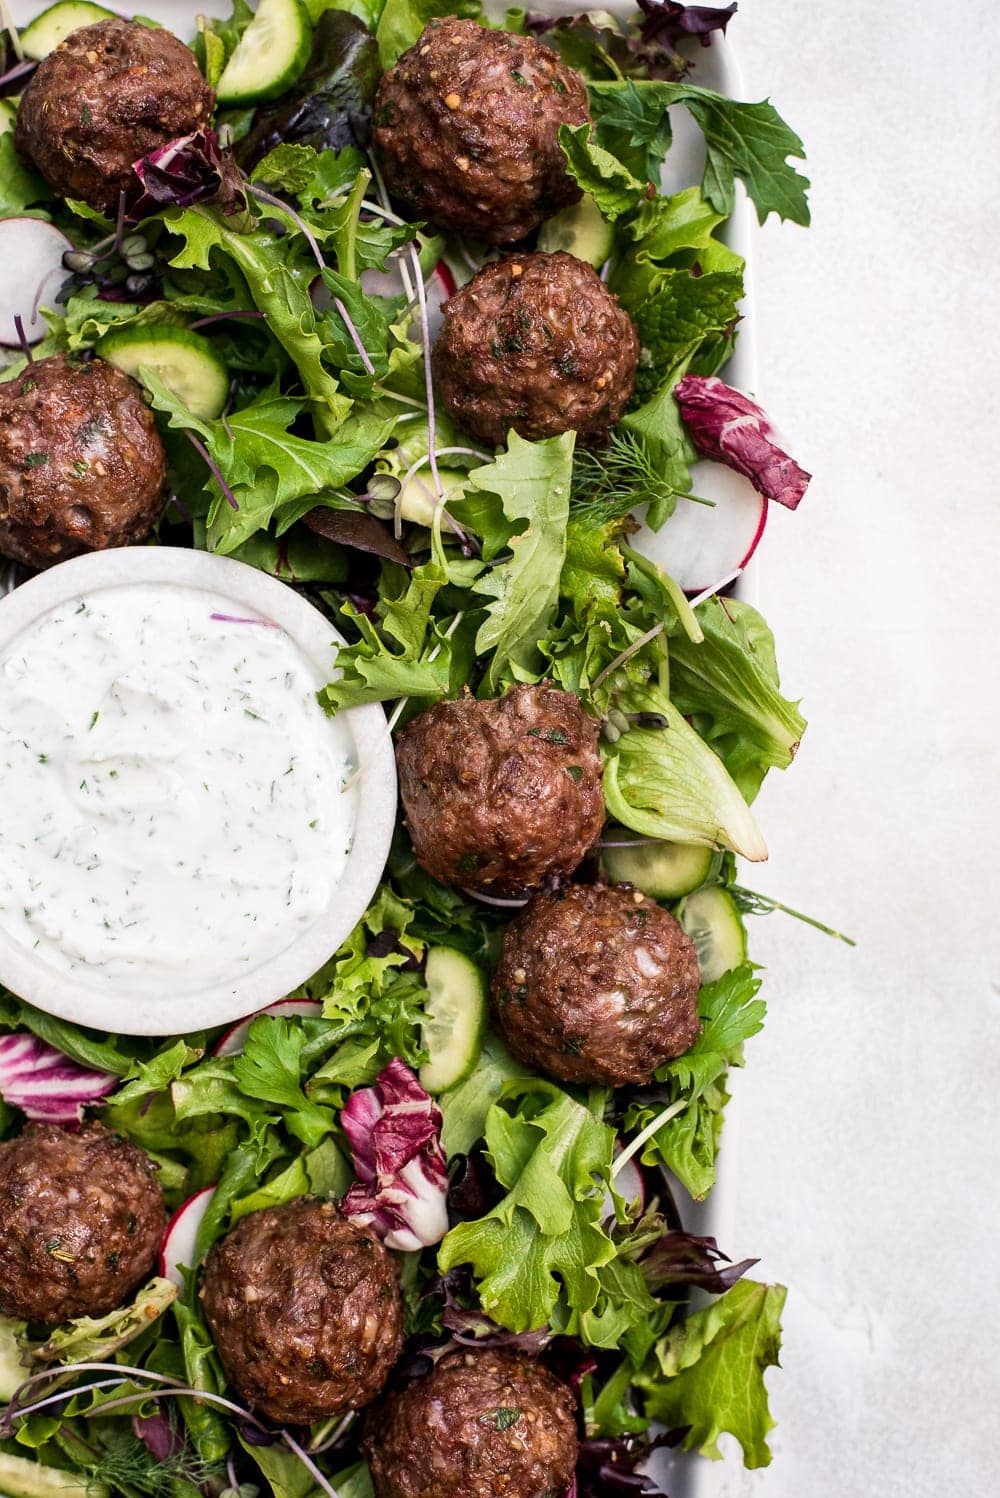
x: 270, y: 1069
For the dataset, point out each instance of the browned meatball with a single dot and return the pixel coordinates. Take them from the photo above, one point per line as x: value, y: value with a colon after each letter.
x: 596, y: 984
x: 501, y: 792
x: 305, y: 1310
x: 81, y: 461
x: 81, y: 1222
x: 537, y: 343
x: 467, y: 127
x: 481, y: 1423
x: 107, y: 95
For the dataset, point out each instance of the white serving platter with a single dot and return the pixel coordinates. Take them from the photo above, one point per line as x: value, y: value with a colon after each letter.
x: 717, y: 67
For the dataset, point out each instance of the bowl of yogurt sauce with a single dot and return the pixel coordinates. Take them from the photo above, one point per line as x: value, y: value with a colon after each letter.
x: 185, y: 836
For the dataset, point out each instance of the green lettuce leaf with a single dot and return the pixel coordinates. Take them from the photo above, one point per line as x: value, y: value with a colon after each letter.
x: 97, y: 1338
x: 692, y: 1092
x: 543, y: 1243
x: 711, y: 1371
x: 668, y: 783
x: 402, y: 21
x: 598, y: 172
x: 729, y: 686
x: 532, y: 482
x: 264, y: 464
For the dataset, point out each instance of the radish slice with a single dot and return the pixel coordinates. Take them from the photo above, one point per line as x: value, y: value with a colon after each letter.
x: 630, y: 1185
x: 235, y: 1038
x: 31, y: 253
x: 44, y: 1083
x: 699, y: 545
x: 179, y: 1240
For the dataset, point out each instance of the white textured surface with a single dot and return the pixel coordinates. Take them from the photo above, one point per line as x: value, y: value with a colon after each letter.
x: 870, y: 1149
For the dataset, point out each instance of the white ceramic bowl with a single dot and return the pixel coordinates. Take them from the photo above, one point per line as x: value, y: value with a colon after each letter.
x: 83, y: 999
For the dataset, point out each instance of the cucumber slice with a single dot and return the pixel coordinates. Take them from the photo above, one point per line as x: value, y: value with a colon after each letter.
x: 454, y: 1020
x: 8, y: 114
x: 664, y: 871
x: 711, y: 919
x: 54, y: 25
x: 12, y: 1370
x: 269, y: 56
x: 24, y: 1478
x: 580, y: 230
x: 185, y: 362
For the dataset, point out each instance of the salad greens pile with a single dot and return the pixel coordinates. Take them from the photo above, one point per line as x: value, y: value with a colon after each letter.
x: 444, y: 567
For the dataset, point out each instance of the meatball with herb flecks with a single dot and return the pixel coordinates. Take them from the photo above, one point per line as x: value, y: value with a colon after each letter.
x: 539, y: 344
x: 105, y: 97
x: 305, y: 1311
x: 596, y: 984
x: 467, y: 129
x: 500, y: 792
x: 81, y: 1221
x: 81, y: 462
x: 482, y: 1422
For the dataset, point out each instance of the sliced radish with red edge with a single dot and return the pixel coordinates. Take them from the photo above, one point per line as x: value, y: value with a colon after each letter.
x: 178, y: 1247
x: 701, y: 544
x: 31, y: 253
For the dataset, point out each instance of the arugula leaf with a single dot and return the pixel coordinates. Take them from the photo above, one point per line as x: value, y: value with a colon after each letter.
x: 543, y: 1242
x: 264, y: 464
x: 532, y: 482
x: 631, y: 121
x: 711, y: 1371
x: 84, y: 1046
x: 270, y: 1069
x: 687, y: 1142
x: 729, y: 686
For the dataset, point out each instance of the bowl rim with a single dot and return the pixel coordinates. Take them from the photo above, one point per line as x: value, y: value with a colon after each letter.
x: 33, y: 979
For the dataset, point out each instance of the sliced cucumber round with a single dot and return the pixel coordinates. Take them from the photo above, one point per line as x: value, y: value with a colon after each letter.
x: 43, y: 35
x: 665, y: 871
x: 186, y: 363
x: 712, y: 920
x: 417, y: 504
x: 579, y: 230
x: 454, y: 1020
x: 269, y: 56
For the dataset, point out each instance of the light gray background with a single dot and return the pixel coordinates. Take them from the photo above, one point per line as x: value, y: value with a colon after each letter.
x: 869, y: 1156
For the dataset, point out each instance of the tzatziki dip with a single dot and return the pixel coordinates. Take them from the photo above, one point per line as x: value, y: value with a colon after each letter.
x: 174, y: 811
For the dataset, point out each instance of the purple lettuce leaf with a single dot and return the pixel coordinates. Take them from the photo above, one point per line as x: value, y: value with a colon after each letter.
x: 608, y: 1467
x: 645, y: 48
x: 728, y: 427
x: 668, y: 23
x: 394, y: 1132
x: 679, y: 1258
x: 190, y: 169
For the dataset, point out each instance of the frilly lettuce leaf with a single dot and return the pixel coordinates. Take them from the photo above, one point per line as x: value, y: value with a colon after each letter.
x: 543, y: 1243
x: 711, y: 1371
x: 96, y: 1339
x: 688, y: 1140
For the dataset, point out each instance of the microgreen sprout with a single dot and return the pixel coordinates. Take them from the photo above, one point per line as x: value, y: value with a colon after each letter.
x: 263, y: 196
x: 213, y: 467
x: 22, y: 338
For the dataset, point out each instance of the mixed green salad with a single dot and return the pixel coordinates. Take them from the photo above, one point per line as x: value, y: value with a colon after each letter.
x: 278, y: 310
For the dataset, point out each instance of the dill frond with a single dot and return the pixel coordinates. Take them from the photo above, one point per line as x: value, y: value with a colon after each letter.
x: 614, y: 480
x: 127, y: 1465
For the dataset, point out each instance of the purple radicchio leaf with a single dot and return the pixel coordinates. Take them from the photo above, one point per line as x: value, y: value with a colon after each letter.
x: 394, y: 1131
x: 679, y: 1258
x: 159, y: 1434
x: 726, y: 426
x: 44, y: 1083
x: 191, y: 169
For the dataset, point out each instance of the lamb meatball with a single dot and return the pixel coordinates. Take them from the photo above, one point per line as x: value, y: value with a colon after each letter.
x: 537, y: 343
x: 107, y: 95
x: 596, y: 984
x: 467, y: 127
x: 81, y: 1221
x: 482, y: 1423
x: 305, y: 1310
x: 501, y: 792
x: 81, y: 461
